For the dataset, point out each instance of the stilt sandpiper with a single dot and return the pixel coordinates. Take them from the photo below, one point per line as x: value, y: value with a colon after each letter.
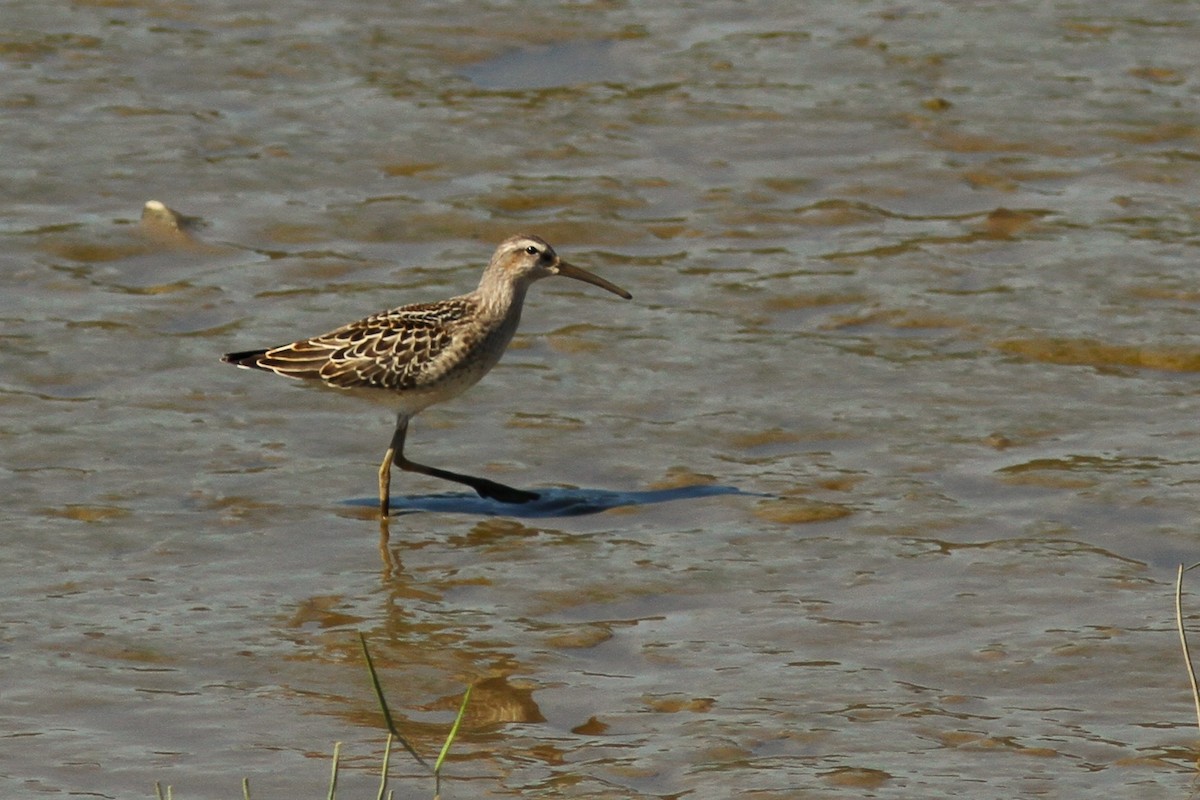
x: 428, y: 352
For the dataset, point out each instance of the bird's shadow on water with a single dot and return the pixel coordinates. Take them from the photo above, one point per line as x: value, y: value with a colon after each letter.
x: 551, y: 502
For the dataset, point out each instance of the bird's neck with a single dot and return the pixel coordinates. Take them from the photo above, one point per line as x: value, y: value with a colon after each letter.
x: 499, y: 296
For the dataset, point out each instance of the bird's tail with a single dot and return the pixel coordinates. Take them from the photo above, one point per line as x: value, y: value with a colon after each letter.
x: 247, y: 359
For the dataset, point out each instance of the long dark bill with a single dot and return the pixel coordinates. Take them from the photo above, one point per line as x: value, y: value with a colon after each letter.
x: 572, y: 271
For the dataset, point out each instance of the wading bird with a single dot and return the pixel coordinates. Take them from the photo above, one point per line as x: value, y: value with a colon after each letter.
x: 427, y: 353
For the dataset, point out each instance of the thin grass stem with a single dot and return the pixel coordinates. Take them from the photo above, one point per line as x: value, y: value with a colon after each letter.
x: 1187, y: 655
x: 383, y: 777
x: 333, y: 776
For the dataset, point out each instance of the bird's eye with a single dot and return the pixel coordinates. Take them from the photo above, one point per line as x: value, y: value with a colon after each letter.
x: 533, y: 251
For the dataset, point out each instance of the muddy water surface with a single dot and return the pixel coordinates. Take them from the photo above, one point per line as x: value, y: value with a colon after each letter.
x: 875, y: 488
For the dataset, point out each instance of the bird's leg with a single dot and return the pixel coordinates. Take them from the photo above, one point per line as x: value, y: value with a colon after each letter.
x: 385, y: 469
x: 482, y: 486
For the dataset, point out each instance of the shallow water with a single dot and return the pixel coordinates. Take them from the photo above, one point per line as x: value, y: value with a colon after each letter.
x: 876, y: 487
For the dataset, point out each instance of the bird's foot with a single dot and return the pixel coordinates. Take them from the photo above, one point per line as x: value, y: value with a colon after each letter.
x: 502, y: 493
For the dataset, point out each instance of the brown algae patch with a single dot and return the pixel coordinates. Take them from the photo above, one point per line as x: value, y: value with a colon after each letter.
x: 1165, y: 294
x: 838, y: 214
x: 674, y: 704
x: 674, y: 231
x: 805, y: 300
x: 1160, y: 133
x: 94, y: 252
x: 592, y: 727
x: 323, y: 611
x: 900, y: 319
x: 984, y: 178
x: 1164, y: 75
x: 579, y: 338
x: 839, y: 483
x: 766, y: 438
x: 857, y: 777
x: 797, y: 511
x: 679, y: 477
x: 549, y: 422
x: 1069, y: 472
x: 581, y: 637
x: 407, y: 169
x: 86, y: 513
x: 1005, y: 223
x: 1090, y: 352
x: 1049, y: 481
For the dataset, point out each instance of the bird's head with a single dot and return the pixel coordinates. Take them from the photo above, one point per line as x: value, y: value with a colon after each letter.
x: 526, y: 258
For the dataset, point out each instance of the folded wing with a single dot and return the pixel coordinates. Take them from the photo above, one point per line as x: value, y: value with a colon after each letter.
x: 394, y: 350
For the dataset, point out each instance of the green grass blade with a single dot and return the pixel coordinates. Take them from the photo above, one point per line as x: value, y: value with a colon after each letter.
x: 462, y: 710
x: 387, y: 714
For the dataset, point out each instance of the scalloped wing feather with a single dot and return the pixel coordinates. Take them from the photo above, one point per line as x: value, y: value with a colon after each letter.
x: 396, y: 350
